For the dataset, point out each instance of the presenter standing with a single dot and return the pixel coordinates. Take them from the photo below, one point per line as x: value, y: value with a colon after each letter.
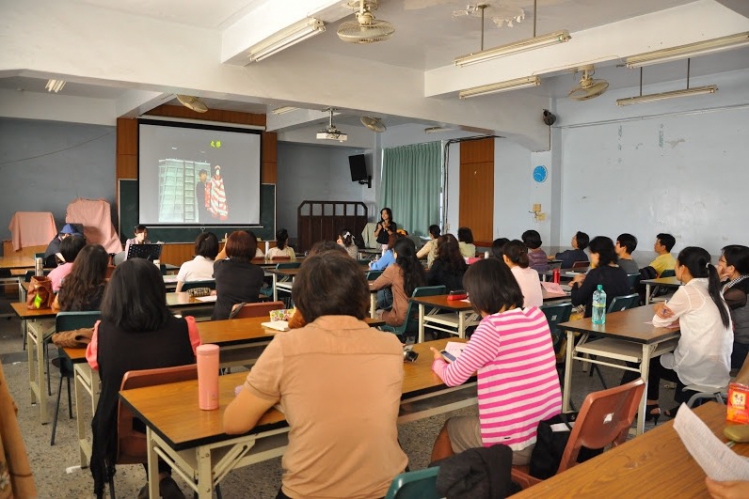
x: 218, y: 205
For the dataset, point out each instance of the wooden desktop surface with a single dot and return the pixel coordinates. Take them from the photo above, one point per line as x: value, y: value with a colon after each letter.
x: 183, y: 299
x: 172, y: 410
x: 24, y: 312
x: 655, y: 465
x: 75, y: 354
x: 632, y: 325
x: 249, y: 330
x: 16, y: 262
x: 442, y: 302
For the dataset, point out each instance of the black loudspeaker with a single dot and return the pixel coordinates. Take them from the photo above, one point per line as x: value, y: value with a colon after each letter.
x: 549, y: 117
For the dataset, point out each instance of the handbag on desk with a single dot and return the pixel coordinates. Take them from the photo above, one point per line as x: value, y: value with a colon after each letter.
x: 40, y: 293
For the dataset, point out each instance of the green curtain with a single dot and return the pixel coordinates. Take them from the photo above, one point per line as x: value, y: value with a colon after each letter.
x: 411, y: 183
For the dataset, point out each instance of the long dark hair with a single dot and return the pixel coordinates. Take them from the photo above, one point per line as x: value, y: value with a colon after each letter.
x: 697, y: 261
x: 413, y: 273
x: 448, y: 251
x: 282, y: 236
x: 517, y: 253
x: 84, y: 283
x: 135, y: 299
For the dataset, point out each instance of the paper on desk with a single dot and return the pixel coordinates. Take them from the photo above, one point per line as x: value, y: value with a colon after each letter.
x: 552, y: 287
x: 206, y: 299
x: 455, y: 348
x: 716, y: 459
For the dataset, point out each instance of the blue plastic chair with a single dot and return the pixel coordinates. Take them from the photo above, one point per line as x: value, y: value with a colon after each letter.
x: 411, y: 324
x: 421, y: 484
x: 625, y: 302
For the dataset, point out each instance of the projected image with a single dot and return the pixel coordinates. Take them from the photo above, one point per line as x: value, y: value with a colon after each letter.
x: 205, y: 176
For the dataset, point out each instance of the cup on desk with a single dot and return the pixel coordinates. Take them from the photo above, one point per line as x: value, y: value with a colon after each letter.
x: 208, y: 362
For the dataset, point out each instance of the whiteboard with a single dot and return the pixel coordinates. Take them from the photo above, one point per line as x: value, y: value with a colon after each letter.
x: 686, y: 175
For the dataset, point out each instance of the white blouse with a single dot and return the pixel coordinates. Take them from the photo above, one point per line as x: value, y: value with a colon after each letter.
x: 530, y: 286
x: 703, y: 354
x: 198, y: 269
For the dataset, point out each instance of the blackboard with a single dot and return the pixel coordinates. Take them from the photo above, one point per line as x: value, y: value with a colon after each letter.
x: 128, y: 211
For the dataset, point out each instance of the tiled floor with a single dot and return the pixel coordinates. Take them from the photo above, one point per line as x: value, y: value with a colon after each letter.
x: 55, y: 468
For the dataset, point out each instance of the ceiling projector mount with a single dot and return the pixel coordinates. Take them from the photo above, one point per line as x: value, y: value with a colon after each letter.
x: 331, y: 132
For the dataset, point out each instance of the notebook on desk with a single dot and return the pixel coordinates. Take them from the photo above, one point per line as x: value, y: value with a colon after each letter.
x: 276, y: 325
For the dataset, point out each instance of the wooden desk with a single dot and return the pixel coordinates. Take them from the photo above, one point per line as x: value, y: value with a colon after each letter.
x: 462, y: 315
x: 86, y: 381
x: 288, y: 276
x: 16, y: 262
x: 653, y: 465
x: 194, y: 442
x: 666, y: 282
x: 628, y: 336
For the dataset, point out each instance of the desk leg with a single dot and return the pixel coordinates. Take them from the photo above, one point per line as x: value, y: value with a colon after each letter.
x: 373, y: 305
x: 462, y: 324
x: 153, y: 465
x: 275, y: 291
x: 644, y: 372
x: 79, y: 389
x: 647, y: 294
x: 421, y: 323
x: 205, y: 476
x: 568, y: 373
x: 30, y: 359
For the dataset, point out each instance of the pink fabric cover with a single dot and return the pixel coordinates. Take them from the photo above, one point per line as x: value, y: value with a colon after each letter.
x: 32, y: 228
x: 95, y: 216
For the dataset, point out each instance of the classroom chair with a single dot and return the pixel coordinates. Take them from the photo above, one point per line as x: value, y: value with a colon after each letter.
x: 131, y: 443
x: 66, y: 373
x: 411, y: 325
x: 420, y: 484
x: 210, y: 284
x: 604, y: 419
x: 245, y: 310
x: 285, y: 279
x: 582, y: 264
x: 555, y: 315
x: 634, y: 282
x: 625, y: 302
x: 67, y: 321
x: 372, y: 275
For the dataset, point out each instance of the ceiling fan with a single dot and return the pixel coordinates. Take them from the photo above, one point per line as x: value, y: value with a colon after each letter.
x: 374, y: 124
x: 366, y: 29
x: 331, y: 132
x: 194, y: 103
x: 588, y: 88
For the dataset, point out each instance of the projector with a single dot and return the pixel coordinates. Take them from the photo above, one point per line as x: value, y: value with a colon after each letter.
x: 332, y: 135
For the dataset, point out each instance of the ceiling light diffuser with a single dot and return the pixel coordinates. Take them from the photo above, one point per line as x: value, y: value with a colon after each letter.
x: 285, y: 38
x: 688, y: 51
x: 55, y: 85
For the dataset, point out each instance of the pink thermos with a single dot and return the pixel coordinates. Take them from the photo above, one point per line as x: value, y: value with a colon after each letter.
x: 208, y: 377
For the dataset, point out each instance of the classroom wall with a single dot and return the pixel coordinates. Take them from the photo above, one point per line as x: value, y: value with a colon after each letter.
x: 46, y: 165
x: 317, y: 173
x: 675, y: 166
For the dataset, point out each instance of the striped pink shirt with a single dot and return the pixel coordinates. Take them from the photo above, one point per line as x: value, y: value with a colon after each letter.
x: 518, y: 384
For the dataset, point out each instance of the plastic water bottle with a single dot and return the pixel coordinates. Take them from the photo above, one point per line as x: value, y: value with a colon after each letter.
x: 599, y: 305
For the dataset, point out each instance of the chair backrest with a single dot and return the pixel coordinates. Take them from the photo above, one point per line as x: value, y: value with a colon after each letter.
x: 420, y: 484
x: 634, y: 281
x: 668, y: 273
x: 555, y: 315
x: 131, y: 444
x: 372, y: 275
x: 211, y: 284
x: 288, y: 265
x: 582, y: 264
x: 555, y: 265
x: 261, y: 309
x: 625, y: 302
x: 604, y: 418
x: 412, y: 314
x: 69, y: 321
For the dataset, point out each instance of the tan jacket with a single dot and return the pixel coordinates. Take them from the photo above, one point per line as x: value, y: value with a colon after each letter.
x: 16, y: 480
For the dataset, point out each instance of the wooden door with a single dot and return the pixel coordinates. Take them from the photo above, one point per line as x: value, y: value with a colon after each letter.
x: 477, y: 189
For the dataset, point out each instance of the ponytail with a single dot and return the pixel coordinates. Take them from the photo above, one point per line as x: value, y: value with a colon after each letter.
x: 713, y: 289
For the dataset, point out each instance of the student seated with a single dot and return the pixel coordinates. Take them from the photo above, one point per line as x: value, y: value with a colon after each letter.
x: 498, y: 247
x: 513, y: 354
x: 69, y: 249
x: 536, y: 256
x: 199, y: 268
x: 733, y: 267
x: 388, y: 257
x: 576, y: 254
x: 238, y: 280
x: 339, y: 382
x: 282, y: 248
x: 346, y: 241
x: 449, y: 266
x: 83, y: 288
x: 703, y: 353
x: 136, y: 331
x: 665, y: 260
x: 429, y: 250
x: 516, y: 257
x: 53, y: 248
x: 625, y: 246
x: 606, y: 272
x: 405, y: 275
x: 140, y: 233
x: 465, y: 241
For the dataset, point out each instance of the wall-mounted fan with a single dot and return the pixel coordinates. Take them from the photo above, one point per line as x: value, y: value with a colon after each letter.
x: 193, y: 103
x: 374, y: 124
x: 588, y: 88
x: 366, y: 29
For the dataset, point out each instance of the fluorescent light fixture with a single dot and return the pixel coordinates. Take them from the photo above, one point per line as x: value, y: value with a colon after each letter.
x: 675, y: 94
x: 514, y: 48
x: 284, y: 110
x: 689, y: 50
x: 438, y: 129
x: 285, y: 38
x: 504, y: 86
x: 55, y: 85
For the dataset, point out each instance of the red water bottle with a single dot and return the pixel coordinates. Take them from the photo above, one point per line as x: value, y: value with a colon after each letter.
x: 556, y: 276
